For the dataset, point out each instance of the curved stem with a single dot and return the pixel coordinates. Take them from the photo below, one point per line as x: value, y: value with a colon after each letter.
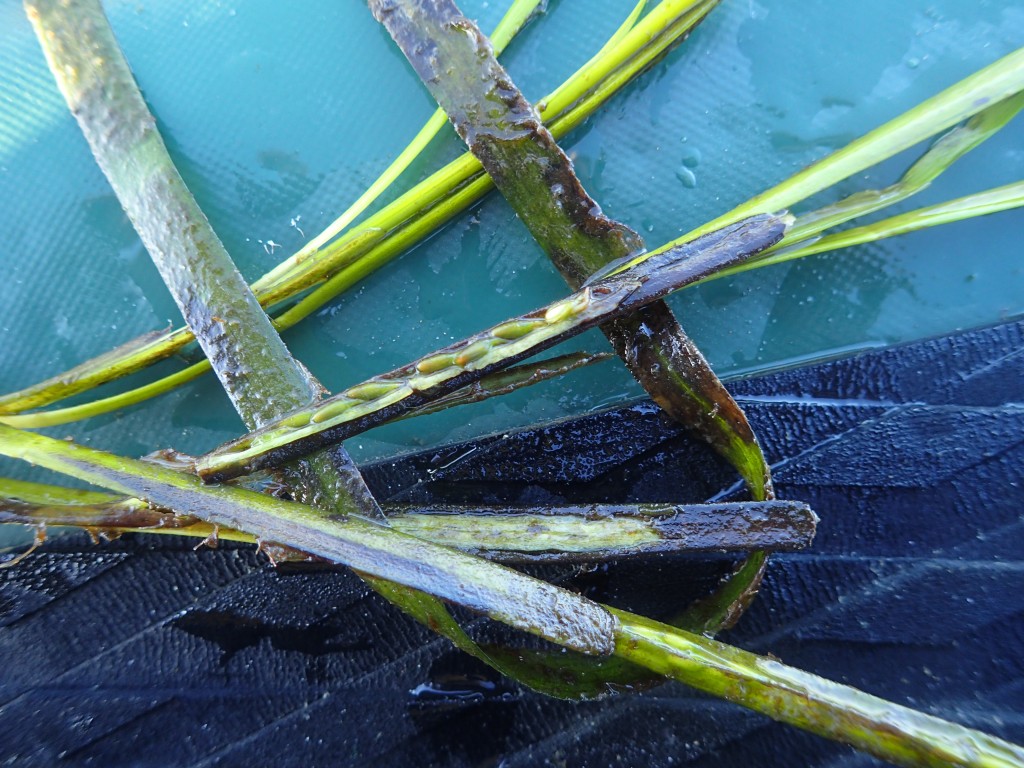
x: 884, y: 729
x: 386, y: 396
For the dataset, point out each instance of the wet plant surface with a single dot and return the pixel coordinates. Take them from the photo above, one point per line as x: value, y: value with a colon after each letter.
x: 415, y: 573
x: 224, y: 660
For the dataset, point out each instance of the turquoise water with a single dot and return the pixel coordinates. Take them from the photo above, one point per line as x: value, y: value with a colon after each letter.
x: 279, y: 116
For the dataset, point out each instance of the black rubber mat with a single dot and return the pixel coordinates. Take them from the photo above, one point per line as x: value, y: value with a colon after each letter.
x: 143, y: 652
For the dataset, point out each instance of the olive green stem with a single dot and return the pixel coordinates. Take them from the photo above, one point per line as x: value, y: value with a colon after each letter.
x: 503, y: 131
x: 506, y: 135
x: 462, y: 182
x: 72, y: 413
x: 627, y: 53
x: 515, y: 18
x: 255, y: 368
x: 933, y: 163
x: 397, y: 226
x: 500, y: 383
x: 525, y: 603
x: 997, y: 82
x: 889, y: 731
x: 984, y: 203
x: 97, y: 85
x: 448, y: 369
x: 520, y: 155
x: 881, y: 728
x: 559, y: 534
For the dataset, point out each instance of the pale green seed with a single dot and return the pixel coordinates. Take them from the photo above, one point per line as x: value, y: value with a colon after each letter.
x: 572, y: 306
x: 271, y: 437
x: 372, y: 390
x: 474, y: 351
x: 515, y: 329
x: 331, y: 409
x: 429, y: 365
x: 240, y: 445
x: 297, y: 420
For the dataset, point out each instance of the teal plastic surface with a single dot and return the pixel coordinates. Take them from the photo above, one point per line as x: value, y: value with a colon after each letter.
x: 280, y: 114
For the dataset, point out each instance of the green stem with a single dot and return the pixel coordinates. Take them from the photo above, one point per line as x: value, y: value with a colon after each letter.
x: 520, y: 155
x: 504, y: 132
x: 939, y: 157
x: 723, y: 608
x: 385, y: 396
x: 960, y: 209
x: 100, y: 91
x: 879, y: 727
x: 576, y: 99
x: 55, y: 416
x: 997, y: 82
x: 515, y: 18
x: 889, y: 731
x: 393, y: 229
x: 255, y: 368
x: 500, y: 383
x: 558, y: 534
x: 499, y: 592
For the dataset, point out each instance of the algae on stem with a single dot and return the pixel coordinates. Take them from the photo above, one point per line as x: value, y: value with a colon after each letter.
x: 388, y: 395
x: 506, y: 134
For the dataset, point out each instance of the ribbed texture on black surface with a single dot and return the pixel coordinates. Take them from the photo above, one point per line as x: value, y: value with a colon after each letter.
x: 144, y: 653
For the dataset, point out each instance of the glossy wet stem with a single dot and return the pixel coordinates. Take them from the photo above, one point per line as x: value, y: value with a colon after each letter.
x: 881, y: 728
x: 552, y: 533
x: 441, y: 372
x: 384, y: 235
x: 255, y: 368
x: 506, y: 134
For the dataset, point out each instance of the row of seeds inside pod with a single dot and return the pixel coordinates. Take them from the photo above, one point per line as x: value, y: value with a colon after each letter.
x: 423, y: 374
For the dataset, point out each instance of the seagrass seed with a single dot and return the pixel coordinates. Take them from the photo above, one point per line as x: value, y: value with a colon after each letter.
x: 331, y: 409
x: 572, y: 306
x: 515, y: 329
x: 297, y: 420
x: 436, y: 363
x: 372, y: 390
x: 474, y: 351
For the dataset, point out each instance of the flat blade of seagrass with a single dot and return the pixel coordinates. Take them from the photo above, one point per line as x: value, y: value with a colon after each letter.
x: 454, y: 190
x: 602, y: 532
x: 378, y: 550
x: 386, y: 396
x: 505, y: 133
x: 456, y: 63
x: 836, y: 711
x: 547, y: 533
x: 254, y: 366
x: 213, y: 658
x: 100, y: 91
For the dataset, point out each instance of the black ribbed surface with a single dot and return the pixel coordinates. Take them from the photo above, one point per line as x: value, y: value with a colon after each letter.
x: 142, y: 652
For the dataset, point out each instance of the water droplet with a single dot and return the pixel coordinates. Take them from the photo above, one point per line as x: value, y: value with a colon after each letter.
x: 691, y: 157
x: 687, y: 177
